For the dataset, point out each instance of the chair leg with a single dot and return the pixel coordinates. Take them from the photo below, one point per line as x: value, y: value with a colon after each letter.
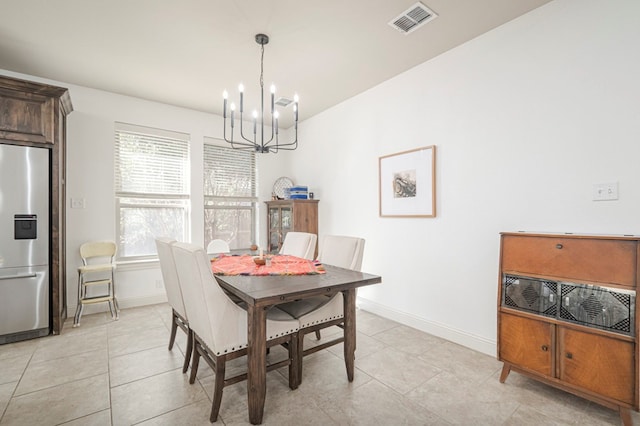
x: 318, y: 335
x: 113, y: 294
x: 217, y: 391
x: 299, y: 342
x: 76, y: 318
x: 117, y: 307
x: 174, y: 328
x: 294, y: 358
x: 111, y: 309
x: 187, y: 355
x: 194, y: 363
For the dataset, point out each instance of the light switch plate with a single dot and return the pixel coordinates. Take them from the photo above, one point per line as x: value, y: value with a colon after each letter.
x: 77, y: 203
x: 605, y: 191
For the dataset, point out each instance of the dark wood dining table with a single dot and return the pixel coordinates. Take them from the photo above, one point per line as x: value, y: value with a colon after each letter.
x: 262, y: 292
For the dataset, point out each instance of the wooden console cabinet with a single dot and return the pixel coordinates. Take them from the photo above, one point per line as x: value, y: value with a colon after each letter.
x: 34, y: 114
x: 290, y: 215
x: 567, y: 314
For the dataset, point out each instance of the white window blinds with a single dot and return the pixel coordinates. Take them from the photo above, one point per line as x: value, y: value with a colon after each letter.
x: 230, y: 195
x: 151, y: 162
x: 229, y: 172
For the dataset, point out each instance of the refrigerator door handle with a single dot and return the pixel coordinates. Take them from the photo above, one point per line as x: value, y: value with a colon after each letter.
x: 12, y: 277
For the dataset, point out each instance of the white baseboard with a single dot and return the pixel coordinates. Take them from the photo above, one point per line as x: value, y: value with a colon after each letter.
x: 460, y: 337
x: 131, y: 302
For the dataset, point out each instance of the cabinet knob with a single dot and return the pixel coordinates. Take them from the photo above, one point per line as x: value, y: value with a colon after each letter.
x: 569, y: 355
x: 544, y: 348
x: 559, y: 246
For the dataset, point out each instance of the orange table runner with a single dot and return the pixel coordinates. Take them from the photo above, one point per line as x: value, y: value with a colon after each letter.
x: 280, y: 265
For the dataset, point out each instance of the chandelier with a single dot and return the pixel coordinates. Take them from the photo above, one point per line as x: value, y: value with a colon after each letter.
x: 256, y: 141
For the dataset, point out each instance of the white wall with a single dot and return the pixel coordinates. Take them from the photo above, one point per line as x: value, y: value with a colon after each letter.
x: 525, y: 118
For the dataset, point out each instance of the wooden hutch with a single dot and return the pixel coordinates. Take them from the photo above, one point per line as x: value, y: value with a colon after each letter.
x: 290, y: 215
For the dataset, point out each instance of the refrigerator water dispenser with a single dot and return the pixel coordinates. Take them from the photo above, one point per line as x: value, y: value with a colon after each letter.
x: 25, y: 226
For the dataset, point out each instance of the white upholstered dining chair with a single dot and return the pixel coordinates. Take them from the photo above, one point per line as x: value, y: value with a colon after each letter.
x: 321, y: 312
x: 174, y: 296
x: 300, y: 244
x: 219, y: 326
x: 218, y: 246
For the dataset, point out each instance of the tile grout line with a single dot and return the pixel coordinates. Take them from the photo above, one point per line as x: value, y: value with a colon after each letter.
x: 16, y: 387
x: 109, y: 379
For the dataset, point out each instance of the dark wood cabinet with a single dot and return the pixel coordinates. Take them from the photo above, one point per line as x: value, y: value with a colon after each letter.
x: 290, y: 215
x: 567, y: 314
x: 34, y: 114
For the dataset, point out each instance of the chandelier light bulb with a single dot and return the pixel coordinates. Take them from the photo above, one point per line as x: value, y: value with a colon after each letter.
x: 233, y: 106
x: 225, y: 95
x: 276, y: 114
x: 273, y: 88
x: 241, y: 88
x: 255, y: 123
x: 296, y: 98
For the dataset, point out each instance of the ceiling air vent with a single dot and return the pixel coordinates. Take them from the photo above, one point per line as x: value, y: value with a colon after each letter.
x: 413, y: 18
x: 283, y: 102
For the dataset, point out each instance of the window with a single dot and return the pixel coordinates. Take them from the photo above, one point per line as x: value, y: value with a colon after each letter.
x: 152, y: 188
x: 230, y: 195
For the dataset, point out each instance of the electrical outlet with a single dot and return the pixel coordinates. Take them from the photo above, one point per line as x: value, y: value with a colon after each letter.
x: 605, y: 191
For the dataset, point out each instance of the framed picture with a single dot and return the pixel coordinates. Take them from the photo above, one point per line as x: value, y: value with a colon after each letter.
x: 407, y: 183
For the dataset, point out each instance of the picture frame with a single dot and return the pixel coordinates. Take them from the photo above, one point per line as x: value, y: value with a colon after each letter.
x: 407, y: 183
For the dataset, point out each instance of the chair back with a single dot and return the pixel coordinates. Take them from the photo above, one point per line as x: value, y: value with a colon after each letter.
x: 98, y: 252
x: 300, y: 244
x: 170, y: 275
x: 218, y: 246
x: 341, y: 251
x: 219, y: 322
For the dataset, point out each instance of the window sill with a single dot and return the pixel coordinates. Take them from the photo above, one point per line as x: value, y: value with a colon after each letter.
x: 131, y: 265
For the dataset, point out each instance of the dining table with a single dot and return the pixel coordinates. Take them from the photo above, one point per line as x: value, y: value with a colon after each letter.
x: 260, y: 292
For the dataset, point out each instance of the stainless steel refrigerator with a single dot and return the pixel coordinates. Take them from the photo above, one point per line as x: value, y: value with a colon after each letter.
x: 24, y: 242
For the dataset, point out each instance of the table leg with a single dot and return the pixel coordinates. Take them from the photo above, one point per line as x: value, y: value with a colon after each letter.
x: 349, y: 297
x: 256, y: 362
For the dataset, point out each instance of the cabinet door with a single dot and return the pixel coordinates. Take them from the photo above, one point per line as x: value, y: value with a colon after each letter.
x: 275, y: 230
x: 527, y: 343
x: 274, y: 218
x: 598, y: 363
x: 26, y: 117
x: 286, y: 220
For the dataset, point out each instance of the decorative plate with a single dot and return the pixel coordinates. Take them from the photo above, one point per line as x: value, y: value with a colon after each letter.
x: 280, y: 184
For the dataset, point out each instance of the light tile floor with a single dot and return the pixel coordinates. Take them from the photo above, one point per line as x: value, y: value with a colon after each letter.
x: 121, y: 373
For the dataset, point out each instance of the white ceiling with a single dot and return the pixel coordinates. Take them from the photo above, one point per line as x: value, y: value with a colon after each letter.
x: 187, y: 52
